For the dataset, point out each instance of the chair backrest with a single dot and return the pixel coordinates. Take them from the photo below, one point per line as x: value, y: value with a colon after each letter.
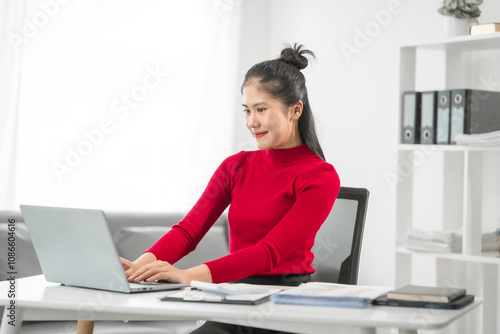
x: 337, y: 246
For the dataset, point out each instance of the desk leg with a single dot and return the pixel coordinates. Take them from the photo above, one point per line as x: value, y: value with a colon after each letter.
x: 84, y: 327
x: 12, y: 321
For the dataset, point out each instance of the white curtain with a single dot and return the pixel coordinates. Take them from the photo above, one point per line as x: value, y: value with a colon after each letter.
x: 11, y: 19
x: 126, y: 104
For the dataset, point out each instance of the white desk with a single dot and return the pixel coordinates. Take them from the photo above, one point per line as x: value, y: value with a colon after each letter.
x: 36, y: 299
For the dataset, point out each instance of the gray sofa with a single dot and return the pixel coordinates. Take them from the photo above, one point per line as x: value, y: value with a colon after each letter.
x: 132, y: 233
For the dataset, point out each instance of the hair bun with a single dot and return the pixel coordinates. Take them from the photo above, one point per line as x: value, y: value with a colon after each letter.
x: 294, y: 55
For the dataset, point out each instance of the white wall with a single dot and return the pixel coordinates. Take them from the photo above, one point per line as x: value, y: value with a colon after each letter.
x: 354, y: 98
x: 254, y: 47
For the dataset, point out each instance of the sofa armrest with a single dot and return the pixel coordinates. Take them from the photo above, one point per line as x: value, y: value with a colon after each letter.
x: 24, y: 262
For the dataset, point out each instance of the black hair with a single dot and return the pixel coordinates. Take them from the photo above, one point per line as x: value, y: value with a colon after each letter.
x: 282, y: 79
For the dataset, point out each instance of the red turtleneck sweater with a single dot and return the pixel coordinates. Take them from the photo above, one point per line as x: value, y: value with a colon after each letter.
x: 279, y: 199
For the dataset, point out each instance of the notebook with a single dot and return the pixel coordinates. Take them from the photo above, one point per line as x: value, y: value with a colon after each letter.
x: 75, y: 248
x: 418, y: 293
x: 453, y: 305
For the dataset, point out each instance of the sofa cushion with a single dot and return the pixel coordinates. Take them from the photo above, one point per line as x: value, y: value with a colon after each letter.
x: 131, y: 242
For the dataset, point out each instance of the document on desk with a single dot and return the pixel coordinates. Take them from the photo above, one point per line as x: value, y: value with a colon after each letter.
x: 211, y: 297
x: 330, y: 294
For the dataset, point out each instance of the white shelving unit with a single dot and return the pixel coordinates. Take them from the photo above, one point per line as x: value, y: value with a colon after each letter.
x: 445, y: 187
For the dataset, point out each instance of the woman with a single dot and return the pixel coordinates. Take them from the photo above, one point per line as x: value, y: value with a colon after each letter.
x: 279, y: 195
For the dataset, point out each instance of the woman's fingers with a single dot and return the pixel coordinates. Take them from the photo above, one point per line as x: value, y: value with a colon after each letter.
x: 146, y: 275
x: 170, y: 274
x: 147, y: 272
x: 128, y: 266
x: 125, y: 262
x: 160, y: 270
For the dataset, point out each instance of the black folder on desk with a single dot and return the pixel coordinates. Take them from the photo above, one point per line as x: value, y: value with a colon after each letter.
x: 453, y: 305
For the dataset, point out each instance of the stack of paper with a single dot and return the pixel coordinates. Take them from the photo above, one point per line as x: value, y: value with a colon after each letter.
x: 330, y: 294
x: 481, y: 139
x: 232, y: 293
x: 446, y: 241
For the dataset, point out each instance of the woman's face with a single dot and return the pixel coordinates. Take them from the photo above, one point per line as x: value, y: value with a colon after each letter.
x: 272, y: 124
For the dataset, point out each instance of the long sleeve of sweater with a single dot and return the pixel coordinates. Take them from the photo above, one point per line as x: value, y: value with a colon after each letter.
x: 184, y: 236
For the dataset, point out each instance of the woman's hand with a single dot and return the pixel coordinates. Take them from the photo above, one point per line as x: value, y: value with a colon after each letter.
x: 128, y: 266
x: 148, y: 268
x: 131, y: 267
x: 162, y: 270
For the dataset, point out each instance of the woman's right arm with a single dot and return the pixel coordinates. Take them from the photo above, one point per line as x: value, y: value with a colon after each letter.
x: 131, y: 267
x: 185, y: 235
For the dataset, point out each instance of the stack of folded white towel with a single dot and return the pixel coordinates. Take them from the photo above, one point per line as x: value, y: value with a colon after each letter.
x: 480, y: 139
x: 446, y: 241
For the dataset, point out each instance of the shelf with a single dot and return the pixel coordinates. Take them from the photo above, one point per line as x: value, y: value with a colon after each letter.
x: 461, y: 43
x: 442, y: 187
x: 486, y: 257
x: 444, y: 148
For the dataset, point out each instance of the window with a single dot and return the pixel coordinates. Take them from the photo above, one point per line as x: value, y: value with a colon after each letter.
x: 125, y: 105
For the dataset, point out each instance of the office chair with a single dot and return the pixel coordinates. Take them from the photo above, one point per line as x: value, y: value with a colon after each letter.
x: 337, y: 246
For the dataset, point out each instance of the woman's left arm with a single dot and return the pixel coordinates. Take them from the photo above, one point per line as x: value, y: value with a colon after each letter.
x: 316, y: 192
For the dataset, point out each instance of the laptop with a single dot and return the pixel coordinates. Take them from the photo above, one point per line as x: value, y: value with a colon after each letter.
x: 75, y: 248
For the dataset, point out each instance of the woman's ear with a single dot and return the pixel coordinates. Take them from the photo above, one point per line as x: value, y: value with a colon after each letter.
x: 297, y: 109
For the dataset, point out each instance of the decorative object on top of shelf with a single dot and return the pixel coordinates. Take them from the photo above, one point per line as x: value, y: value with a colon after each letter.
x: 485, y: 28
x: 461, y: 9
x: 458, y: 15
